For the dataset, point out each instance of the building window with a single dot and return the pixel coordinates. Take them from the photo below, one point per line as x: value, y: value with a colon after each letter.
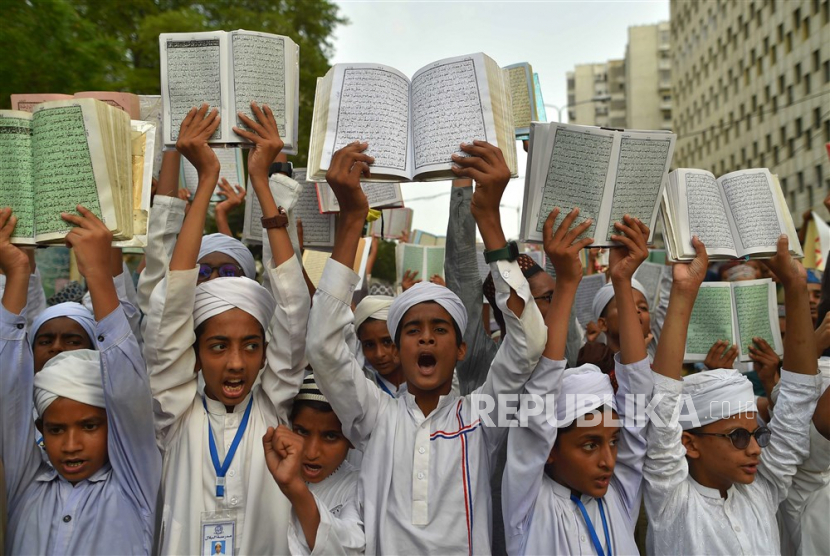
x: 819, y: 177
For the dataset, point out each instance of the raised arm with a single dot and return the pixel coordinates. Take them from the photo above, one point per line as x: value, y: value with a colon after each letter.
x: 665, y: 468
x: 286, y: 350
x: 799, y: 386
x: 197, y: 127
x: 461, y: 273
x: 624, y: 260
x: 529, y: 446
x: 356, y: 401
x: 18, y: 451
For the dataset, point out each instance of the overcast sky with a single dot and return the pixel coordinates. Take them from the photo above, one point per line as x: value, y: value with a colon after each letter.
x: 552, y: 36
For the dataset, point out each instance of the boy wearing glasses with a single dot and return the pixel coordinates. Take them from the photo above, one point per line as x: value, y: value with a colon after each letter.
x: 717, y: 473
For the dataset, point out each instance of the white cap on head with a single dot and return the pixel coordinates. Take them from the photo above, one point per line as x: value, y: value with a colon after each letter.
x: 75, y: 375
x: 372, y: 307
x: 216, y: 296
x: 715, y: 395
x: 425, y: 292
x: 232, y: 247
x: 606, y: 293
x: 584, y: 389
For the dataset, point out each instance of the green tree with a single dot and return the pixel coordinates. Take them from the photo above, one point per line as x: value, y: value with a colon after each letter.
x: 78, y: 45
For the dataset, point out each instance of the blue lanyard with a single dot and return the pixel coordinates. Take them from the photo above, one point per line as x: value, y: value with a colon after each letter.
x: 590, y: 525
x: 222, y: 469
x: 383, y: 386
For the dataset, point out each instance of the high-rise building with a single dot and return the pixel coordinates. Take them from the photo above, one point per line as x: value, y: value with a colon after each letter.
x: 634, y: 92
x: 751, y: 88
x: 588, y: 94
x: 648, y: 77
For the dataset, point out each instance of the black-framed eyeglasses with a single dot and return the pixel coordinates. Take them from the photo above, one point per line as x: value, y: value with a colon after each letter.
x: 740, y: 437
x: 225, y: 270
x: 547, y: 297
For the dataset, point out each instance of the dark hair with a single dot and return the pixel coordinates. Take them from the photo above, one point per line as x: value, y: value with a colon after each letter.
x: 322, y: 407
x: 458, y: 338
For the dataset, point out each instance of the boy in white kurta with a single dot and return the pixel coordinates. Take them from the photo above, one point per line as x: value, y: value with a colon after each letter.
x: 309, y: 464
x: 425, y: 476
x: 707, y: 471
x: 233, y: 408
x: 573, y: 487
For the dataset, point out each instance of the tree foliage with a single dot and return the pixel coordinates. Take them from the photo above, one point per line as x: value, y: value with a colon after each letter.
x: 65, y: 46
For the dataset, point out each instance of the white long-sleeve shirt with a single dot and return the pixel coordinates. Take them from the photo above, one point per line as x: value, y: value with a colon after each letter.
x: 425, y: 480
x: 341, y: 529
x: 697, y: 520
x: 803, y: 516
x: 189, y: 478
x: 539, y: 515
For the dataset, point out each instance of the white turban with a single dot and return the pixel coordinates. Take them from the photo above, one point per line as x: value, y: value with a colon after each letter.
x: 75, y: 375
x: 220, y: 243
x: 372, y: 307
x: 421, y: 293
x: 70, y: 309
x: 716, y: 395
x: 216, y: 296
x: 584, y: 389
x: 606, y: 293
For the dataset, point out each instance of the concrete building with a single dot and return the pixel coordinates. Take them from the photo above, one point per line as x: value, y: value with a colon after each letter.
x: 586, y: 83
x: 635, y: 92
x: 751, y: 88
x: 648, y: 77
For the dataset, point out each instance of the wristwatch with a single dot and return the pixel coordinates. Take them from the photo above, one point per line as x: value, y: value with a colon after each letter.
x: 281, y: 167
x: 280, y: 220
x: 509, y: 252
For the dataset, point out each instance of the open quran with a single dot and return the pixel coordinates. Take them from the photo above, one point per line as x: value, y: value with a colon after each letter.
x: 412, y: 126
x: 228, y: 70
x: 75, y: 152
x: 740, y: 214
x: 606, y: 173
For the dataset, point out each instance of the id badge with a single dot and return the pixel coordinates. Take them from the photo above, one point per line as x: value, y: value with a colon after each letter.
x: 218, y: 532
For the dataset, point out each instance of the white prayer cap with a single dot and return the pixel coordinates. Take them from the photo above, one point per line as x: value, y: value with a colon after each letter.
x: 75, y: 375
x: 70, y: 309
x: 606, y: 293
x: 715, y: 395
x: 584, y: 389
x: 372, y: 307
x: 232, y: 247
x: 421, y: 293
x: 216, y: 296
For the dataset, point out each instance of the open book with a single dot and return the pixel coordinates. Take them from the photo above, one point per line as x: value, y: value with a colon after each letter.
x: 650, y: 275
x: 151, y: 111
x: 412, y: 126
x: 736, y: 312
x: 585, y: 293
x: 420, y: 237
x: 318, y: 229
x: 72, y: 152
x: 740, y: 214
x: 228, y: 70
x: 127, y: 102
x: 427, y: 261
x: 379, y: 195
x: 314, y: 262
x: 230, y: 168
x: 606, y: 173
x: 520, y: 79
x: 393, y: 224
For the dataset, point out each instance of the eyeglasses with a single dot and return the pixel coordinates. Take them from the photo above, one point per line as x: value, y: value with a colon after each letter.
x: 224, y: 270
x: 740, y: 437
x: 547, y: 297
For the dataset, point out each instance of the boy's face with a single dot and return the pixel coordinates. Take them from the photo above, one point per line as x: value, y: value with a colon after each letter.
x: 378, y: 346
x: 541, y: 285
x: 230, y: 352
x: 715, y: 462
x: 610, y: 323
x: 428, y: 348
x: 56, y: 336
x: 216, y: 260
x: 584, y: 457
x: 75, y: 438
x: 815, y: 296
x: 324, y: 446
